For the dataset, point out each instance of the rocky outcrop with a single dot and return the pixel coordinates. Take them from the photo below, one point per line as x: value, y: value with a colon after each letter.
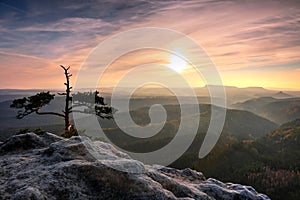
x: 49, y: 167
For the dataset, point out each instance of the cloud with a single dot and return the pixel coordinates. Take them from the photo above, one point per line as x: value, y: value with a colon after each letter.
x: 272, y: 67
x: 51, y: 29
x: 236, y: 37
x: 70, y: 25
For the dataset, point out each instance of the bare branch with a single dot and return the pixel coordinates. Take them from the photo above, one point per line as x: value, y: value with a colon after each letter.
x: 62, y: 93
x: 49, y: 113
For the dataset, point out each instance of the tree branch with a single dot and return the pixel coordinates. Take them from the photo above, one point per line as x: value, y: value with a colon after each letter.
x: 49, y: 113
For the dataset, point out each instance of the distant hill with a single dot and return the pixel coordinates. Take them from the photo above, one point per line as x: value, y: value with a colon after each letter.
x: 277, y: 110
x: 10, y: 94
x: 282, y: 95
x: 270, y: 163
x: 9, y: 124
x: 283, y: 143
x: 239, y: 125
x: 233, y: 94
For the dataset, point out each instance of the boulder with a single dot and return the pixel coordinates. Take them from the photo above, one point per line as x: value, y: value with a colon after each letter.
x: 50, y: 167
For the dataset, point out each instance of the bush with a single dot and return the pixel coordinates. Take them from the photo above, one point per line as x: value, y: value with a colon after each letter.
x: 71, y: 132
x: 22, y: 131
x: 37, y: 131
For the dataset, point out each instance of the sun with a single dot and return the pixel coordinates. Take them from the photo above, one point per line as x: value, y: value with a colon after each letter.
x: 176, y: 63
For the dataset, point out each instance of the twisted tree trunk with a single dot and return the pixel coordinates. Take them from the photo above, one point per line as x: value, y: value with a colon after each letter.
x: 68, y: 98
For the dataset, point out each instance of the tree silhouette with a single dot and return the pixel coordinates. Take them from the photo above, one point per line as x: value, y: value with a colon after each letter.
x: 68, y: 98
x: 93, y: 104
x: 91, y: 101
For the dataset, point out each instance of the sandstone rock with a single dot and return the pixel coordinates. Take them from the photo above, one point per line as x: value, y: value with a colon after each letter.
x: 49, y: 167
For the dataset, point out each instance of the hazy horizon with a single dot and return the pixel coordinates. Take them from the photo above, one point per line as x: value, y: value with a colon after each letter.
x: 62, y: 88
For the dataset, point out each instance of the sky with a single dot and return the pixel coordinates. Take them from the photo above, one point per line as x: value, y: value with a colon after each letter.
x: 251, y: 43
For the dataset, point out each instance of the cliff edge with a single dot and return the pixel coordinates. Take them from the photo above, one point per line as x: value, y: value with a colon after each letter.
x: 50, y: 167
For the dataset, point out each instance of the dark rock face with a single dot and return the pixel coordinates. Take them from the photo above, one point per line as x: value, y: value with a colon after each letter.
x: 49, y: 167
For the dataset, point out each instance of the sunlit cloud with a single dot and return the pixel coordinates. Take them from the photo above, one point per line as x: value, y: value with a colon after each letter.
x: 36, y: 38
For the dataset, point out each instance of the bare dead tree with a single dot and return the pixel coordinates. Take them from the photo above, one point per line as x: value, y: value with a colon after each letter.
x: 33, y: 104
x: 68, y: 98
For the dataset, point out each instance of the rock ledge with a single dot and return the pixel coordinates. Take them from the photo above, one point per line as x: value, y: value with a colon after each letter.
x: 49, y: 167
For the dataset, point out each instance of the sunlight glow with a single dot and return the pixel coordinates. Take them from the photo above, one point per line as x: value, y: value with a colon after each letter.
x: 177, y: 64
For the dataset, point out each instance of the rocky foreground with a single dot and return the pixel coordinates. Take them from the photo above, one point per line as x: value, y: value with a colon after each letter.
x: 49, y: 167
